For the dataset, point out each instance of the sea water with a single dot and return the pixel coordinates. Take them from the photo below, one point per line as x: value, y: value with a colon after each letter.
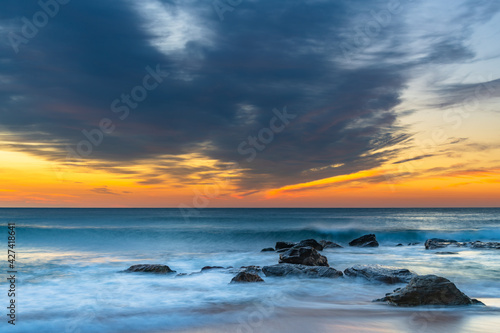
x: 70, y: 266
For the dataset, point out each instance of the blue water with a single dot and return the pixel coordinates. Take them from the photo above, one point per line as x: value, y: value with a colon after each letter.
x: 69, y: 263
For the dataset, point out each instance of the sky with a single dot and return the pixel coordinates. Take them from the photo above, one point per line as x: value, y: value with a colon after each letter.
x: 249, y: 103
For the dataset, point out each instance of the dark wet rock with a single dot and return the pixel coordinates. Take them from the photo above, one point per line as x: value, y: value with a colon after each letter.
x: 207, y: 268
x: 329, y: 245
x: 412, y: 244
x: 283, y: 245
x: 162, y: 269
x: 428, y: 290
x: 304, y: 256
x: 267, y: 249
x: 399, y: 244
x: 246, y: 277
x: 251, y: 269
x: 365, y: 241
x: 484, y: 245
x: 311, y: 243
x: 301, y: 271
x: 379, y: 273
x: 438, y: 243
x: 446, y: 252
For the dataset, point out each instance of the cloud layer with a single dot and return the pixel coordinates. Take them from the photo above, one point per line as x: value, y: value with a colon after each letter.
x: 224, y: 79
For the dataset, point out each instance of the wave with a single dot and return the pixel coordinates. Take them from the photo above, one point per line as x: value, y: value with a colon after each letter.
x: 235, y: 237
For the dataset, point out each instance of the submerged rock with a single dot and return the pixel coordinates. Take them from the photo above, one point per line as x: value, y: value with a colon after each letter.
x: 438, y: 243
x: 246, y: 277
x: 247, y: 269
x: 283, y: 245
x: 310, y: 242
x: 411, y: 244
x: 267, y: 249
x: 484, y: 245
x: 301, y: 270
x: 428, y: 290
x: 380, y: 273
x: 329, y: 245
x: 207, y: 268
x: 304, y: 256
x: 446, y: 252
x: 365, y: 241
x: 147, y: 268
x: 399, y: 244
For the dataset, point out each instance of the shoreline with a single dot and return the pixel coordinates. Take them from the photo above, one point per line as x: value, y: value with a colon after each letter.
x: 386, y: 319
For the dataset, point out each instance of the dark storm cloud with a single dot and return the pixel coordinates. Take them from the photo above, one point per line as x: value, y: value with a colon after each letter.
x: 467, y: 95
x: 221, y: 88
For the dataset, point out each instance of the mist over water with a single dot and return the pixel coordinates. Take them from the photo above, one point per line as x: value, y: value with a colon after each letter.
x: 70, y: 263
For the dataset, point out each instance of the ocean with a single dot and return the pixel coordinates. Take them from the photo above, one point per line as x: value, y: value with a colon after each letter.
x: 69, y: 265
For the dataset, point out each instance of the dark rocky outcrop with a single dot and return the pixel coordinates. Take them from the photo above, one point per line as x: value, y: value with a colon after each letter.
x: 365, y: 241
x: 246, y: 277
x: 379, y: 273
x: 247, y: 269
x: 301, y: 271
x: 147, y: 268
x: 267, y: 249
x: 329, y: 245
x: 399, y: 244
x: 310, y: 242
x: 207, y: 268
x: 304, y: 256
x: 283, y: 245
x: 484, y: 245
x: 438, y: 243
x: 428, y: 290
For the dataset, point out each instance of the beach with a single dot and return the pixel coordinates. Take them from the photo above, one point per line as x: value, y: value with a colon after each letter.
x: 71, y: 270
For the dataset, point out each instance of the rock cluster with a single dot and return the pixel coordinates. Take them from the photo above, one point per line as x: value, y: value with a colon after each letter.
x: 379, y: 273
x: 163, y: 269
x: 428, y: 290
x: 301, y: 271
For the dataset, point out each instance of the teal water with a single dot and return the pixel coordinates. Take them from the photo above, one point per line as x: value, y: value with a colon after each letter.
x: 69, y: 263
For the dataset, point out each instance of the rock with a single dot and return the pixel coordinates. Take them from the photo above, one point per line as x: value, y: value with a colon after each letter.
x: 246, y: 277
x: 411, y: 244
x: 162, y: 269
x: 283, y: 245
x: 329, y: 245
x: 250, y: 269
x: 484, y: 245
x: 304, y: 256
x: 365, y: 241
x: 301, y: 271
x: 207, y: 268
x: 267, y: 249
x: 446, y: 252
x: 310, y: 242
x: 379, y: 273
x: 428, y: 290
x: 399, y: 244
x: 182, y: 274
x: 438, y: 243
